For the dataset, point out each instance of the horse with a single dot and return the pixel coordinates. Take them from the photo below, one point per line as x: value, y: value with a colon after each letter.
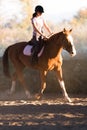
x: 51, y: 59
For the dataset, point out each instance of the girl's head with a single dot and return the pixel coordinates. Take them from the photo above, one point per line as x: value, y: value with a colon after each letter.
x: 38, y: 11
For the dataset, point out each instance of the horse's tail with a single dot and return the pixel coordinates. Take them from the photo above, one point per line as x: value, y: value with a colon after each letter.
x: 5, y: 62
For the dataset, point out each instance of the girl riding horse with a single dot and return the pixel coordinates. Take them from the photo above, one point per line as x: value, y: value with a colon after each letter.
x: 38, y: 23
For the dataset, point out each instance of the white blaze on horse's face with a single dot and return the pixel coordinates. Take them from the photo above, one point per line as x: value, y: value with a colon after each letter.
x: 72, y: 50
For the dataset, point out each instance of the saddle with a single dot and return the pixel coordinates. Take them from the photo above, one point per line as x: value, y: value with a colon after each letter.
x: 37, y: 45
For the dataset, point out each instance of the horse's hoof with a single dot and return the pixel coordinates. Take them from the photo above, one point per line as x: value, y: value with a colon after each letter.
x: 38, y: 96
x: 9, y: 92
x: 68, y: 99
x: 28, y: 95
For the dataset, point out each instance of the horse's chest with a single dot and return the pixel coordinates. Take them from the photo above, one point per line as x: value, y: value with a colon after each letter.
x: 52, y: 63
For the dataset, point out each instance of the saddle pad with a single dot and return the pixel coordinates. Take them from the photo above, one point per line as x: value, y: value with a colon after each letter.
x: 27, y: 51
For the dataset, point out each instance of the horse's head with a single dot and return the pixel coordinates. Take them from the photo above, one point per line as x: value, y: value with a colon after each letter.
x: 68, y: 44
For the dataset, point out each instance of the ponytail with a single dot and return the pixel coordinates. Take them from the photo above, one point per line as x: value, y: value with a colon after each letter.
x: 34, y: 15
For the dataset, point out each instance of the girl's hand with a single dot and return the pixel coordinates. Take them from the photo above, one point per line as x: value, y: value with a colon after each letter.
x: 45, y: 37
x: 51, y: 34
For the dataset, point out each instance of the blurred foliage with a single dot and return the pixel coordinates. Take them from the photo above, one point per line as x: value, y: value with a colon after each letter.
x: 79, y: 23
x: 82, y: 15
x: 13, y: 32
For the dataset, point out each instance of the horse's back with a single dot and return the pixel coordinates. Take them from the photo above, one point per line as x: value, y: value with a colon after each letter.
x: 15, y: 50
x: 17, y: 46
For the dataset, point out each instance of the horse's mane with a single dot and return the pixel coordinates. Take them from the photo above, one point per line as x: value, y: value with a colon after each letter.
x: 54, y: 36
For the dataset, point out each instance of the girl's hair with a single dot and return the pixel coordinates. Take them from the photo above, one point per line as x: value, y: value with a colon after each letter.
x: 34, y: 15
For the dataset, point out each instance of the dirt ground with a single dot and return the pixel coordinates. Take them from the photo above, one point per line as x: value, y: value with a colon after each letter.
x: 52, y: 112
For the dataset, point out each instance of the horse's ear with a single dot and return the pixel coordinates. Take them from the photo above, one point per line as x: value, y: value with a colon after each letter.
x: 70, y: 30
x: 64, y: 30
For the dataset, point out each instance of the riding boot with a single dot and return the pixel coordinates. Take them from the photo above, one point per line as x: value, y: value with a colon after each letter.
x: 34, y: 58
x: 35, y: 54
x: 36, y: 49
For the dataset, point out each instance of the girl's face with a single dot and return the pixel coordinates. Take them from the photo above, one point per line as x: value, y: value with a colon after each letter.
x: 39, y: 13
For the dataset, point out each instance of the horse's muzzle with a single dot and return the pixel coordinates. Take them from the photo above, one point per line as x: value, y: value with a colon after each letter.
x: 73, y: 53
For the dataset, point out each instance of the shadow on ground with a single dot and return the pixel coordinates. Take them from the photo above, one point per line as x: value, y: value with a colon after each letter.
x: 46, y: 114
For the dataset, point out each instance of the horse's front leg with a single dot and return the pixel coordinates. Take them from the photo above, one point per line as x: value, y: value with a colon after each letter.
x: 62, y: 84
x: 43, y: 84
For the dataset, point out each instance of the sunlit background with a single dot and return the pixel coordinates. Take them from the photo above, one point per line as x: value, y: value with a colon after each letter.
x: 58, y: 10
x: 55, y: 10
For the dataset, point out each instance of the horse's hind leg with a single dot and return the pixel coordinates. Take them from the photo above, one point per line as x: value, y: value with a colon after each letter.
x: 22, y: 81
x: 43, y: 84
x: 62, y: 85
x: 19, y: 67
x: 12, y: 89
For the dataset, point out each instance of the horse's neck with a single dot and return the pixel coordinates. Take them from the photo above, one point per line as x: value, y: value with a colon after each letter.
x: 54, y: 48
